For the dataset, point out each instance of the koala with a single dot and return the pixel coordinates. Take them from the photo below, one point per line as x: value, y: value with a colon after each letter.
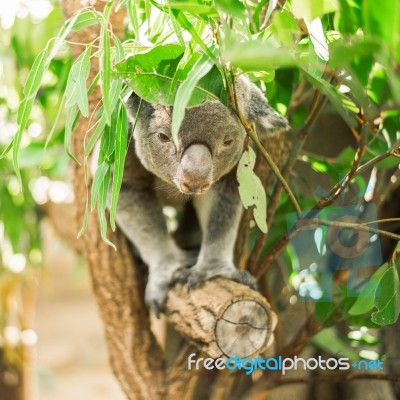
x: 198, y: 173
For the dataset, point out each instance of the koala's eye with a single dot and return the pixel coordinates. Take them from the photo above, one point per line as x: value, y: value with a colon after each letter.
x: 163, y: 138
x: 228, y: 142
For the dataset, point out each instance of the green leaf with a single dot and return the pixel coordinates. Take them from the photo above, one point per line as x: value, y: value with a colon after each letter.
x: 185, y: 91
x: 133, y: 18
x: 186, y: 24
x: 177, y: 29
x: 7, y: 149
x: 347, y: 20
x: 85, y: 220
x: 119, y: 50
x: 344, y: 51
x: 98, y: 179
x: 387, y: 298
x: 71, y: 119
x: 101, y: 124
x: 36, y: 74
x: 382, y: 19
x: 193, y: 8
x: 284, y: 26
x: 337, y: 99
x: 251, y: 189
x: 331, y: 342
x: 87, y: 18
x: 106, y: 73
x: 233, y: 8
x: 185, y: 65
x: 116, y: 87
x: 30, y: 90
x: 76, y: 91
x: 101, y: 208
x: 86, y: 212
x: 255, y: 55
x: 365, y: 300
x: 120, y: 4
x: 121, y: 143
x: 317, y: 36
x: 309, y: 9
x: 152, y: 75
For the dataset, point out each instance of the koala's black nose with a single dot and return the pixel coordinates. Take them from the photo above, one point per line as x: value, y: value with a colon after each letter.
x: 195, y: 169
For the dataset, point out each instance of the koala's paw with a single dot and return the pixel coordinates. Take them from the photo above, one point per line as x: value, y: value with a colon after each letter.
x: 156, y: 296
x: 200, y: 273
x: 163, y: 277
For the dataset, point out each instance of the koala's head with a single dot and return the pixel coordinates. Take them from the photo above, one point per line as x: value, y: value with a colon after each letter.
x: 210, y: 139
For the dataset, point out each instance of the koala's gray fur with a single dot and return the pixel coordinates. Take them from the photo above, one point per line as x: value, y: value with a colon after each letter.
x: 200, y: 170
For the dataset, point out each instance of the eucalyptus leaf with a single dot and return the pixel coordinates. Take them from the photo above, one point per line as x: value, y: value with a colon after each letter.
x: 186, y: 24
x: 193, y: 7
x: 365, y: 300
x: 382, y: 19
x: 121, y: 143
x: 255, y: 55
x: 24, y: 110
x: 98, y: 178
x: 76, y: 91
x: 387, y: 298
x: 101, y: 208
x: 106, y: 73
x: 71, y: 119
x: 308, y: 9
x: 85, y: 19
x: 184, y: 93
x: 251, y: 189
x: 152, y: 75
x: 233, y: 8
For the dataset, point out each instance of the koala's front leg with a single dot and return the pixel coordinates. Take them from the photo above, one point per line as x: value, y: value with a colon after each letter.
x: 219, y: 213
x: 139, y: 215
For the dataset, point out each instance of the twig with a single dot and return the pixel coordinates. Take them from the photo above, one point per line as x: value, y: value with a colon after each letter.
x: 316, y: 106
x: 253, y: 135
x: 394, y: 151
x: 312, y: 223
x: 334, y: 193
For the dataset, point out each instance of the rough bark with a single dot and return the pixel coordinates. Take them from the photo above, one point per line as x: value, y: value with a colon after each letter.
x: 135, y: 356
x: 222, y: 318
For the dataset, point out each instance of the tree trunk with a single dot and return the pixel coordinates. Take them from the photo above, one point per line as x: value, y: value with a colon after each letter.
x: 135, y: 355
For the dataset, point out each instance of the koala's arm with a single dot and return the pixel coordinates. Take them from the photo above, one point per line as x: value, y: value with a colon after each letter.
x: 219, y: 213
x: 140, y: 216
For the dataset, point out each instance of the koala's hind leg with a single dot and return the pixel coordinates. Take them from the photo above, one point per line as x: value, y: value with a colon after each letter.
x: 219, y: 213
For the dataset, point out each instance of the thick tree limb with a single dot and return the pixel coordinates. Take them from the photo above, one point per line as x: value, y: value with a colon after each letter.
x: 222, y: 318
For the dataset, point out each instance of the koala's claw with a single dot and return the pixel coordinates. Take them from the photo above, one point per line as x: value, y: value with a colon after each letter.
x: 199, y: 274
x: 156, y: 298
x: 180, y: 276
x: 247, y: 279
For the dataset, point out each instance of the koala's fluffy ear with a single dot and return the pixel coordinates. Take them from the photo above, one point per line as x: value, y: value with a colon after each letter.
x: 256, y: 110
x: 132, y: 106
